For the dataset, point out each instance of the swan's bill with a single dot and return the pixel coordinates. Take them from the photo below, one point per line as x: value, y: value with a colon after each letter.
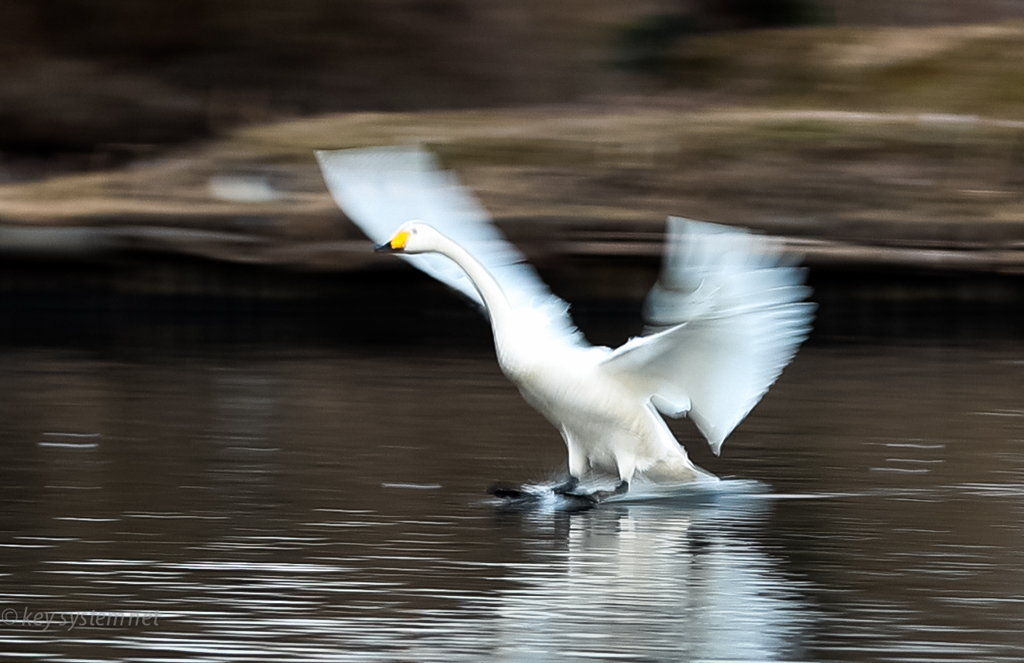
x: 395, y: 245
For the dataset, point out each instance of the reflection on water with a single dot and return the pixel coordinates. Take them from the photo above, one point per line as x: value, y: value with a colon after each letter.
x: 279, y: 504
x: 654, y: 581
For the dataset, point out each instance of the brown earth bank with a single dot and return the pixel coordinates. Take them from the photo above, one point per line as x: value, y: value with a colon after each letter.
x: 919, y: 190
x: 910, y: 229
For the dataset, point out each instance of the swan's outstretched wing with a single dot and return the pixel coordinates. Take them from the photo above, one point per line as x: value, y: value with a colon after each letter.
x: 725, y: 317
x: 379, y: 189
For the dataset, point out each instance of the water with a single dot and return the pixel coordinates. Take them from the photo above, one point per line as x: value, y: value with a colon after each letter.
x: 292, y: 504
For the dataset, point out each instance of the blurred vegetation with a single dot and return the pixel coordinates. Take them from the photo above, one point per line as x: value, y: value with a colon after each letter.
x: 81, y: 75
x: 951, y: 69
x: 647, y: 44
x: 725, y: 111
x: 113, y: 78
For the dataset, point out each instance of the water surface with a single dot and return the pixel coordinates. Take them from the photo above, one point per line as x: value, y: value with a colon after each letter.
x: 276, y: 503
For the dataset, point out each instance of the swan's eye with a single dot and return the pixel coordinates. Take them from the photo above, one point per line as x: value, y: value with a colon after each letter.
x: 399, y: 240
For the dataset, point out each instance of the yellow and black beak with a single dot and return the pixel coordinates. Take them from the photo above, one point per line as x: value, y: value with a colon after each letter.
x: 395, y: 245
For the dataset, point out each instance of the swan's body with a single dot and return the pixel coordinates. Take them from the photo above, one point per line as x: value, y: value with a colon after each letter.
x: 724, y: 319
x: 607, y: 425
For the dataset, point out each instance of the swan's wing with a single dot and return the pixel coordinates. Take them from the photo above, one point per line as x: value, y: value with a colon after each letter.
x: 725, y: 317
x: 381, y: 188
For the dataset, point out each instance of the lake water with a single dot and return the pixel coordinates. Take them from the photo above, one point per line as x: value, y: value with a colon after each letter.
x: 288, y: 504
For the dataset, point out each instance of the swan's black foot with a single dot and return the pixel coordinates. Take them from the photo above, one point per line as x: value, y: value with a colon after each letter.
x: 599, y: 496
x: 520, y: 497
x: 506, y: 491
x: 568, y: 487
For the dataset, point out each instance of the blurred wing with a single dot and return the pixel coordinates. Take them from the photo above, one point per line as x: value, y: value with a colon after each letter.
x: 379, y: 189
x: 725, y: 317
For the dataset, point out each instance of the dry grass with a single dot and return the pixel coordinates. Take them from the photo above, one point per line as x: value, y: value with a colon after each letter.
x: 950, y: 69
x: 800, y: 171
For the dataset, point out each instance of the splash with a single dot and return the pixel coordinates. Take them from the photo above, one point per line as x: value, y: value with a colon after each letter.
x: 543, y: 497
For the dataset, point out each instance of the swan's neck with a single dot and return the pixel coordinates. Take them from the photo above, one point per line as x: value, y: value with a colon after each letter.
x: 498, y: 309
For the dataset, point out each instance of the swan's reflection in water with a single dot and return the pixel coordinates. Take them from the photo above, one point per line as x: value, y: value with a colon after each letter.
x: 654, y: 581
x: 660, y: 582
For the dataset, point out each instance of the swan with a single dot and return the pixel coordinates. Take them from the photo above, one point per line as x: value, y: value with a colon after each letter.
x: 726, y: 315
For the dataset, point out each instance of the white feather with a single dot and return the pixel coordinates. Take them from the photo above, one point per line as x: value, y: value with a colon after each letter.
x: 381, y: 188
x: 727, y: 315
x: 724, y: 319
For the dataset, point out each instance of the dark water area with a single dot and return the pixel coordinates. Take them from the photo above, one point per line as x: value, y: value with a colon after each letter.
x: 288, y: 502
x: 145, y: 300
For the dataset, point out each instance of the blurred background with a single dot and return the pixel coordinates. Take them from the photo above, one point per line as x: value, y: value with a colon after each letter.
x: 156, y: 158
x: 218, y: 404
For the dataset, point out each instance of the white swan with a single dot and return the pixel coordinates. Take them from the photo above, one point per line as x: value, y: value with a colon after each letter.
x: 725, y: 317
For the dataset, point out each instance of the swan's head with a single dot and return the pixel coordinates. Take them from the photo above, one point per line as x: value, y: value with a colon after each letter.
x: 413, y: 237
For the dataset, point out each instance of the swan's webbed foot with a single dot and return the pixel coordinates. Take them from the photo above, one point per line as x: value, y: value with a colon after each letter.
x: 506, y: 491
x: 599, y: 496
x: 522, y: 496
x: 568, y: 487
